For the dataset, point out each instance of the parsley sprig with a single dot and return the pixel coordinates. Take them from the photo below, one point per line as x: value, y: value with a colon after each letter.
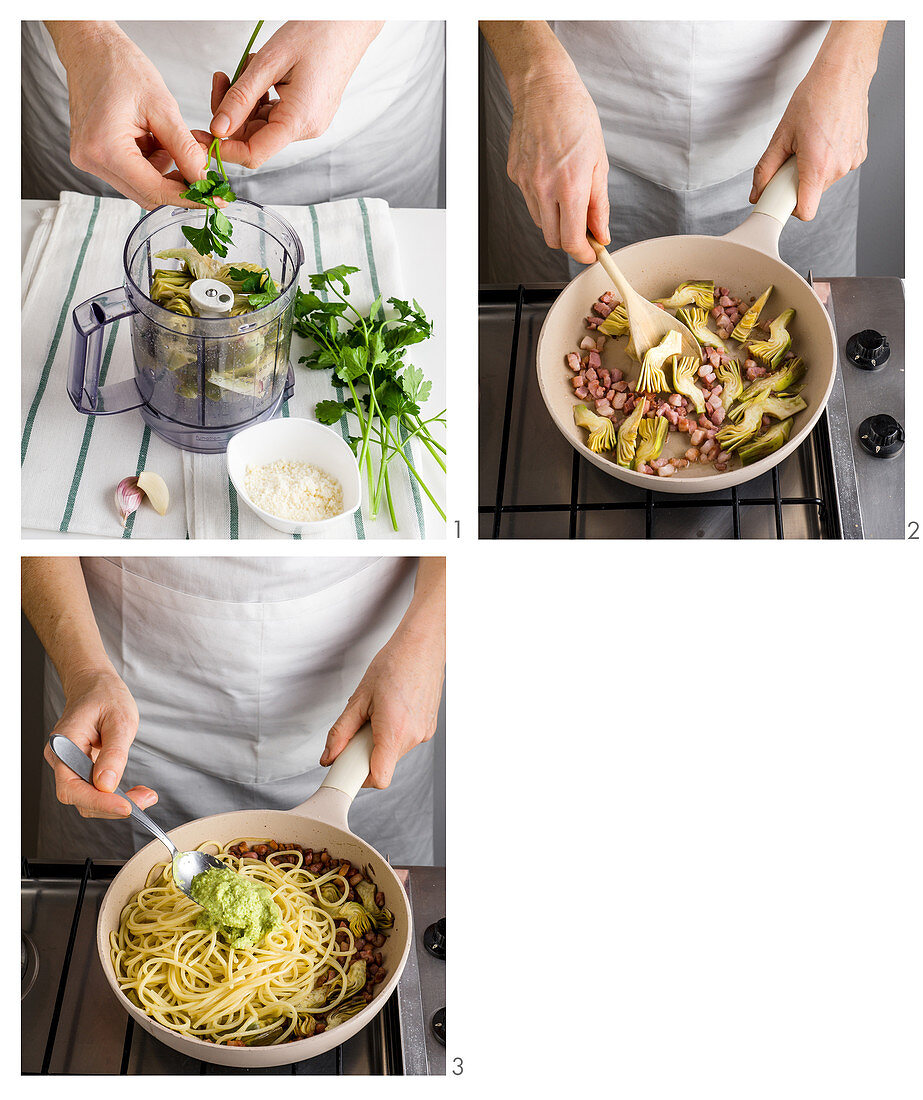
x: 215, y: 235
x: 257, y: 285
x: 366, y: 353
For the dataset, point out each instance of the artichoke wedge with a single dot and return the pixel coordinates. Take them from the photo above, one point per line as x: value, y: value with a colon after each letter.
x: 345, y: 1012
x: 733, y: 434
x: 652, y: 379
x: 601, y: 429
x: 781, y: 407
x: 780, y: 381
x: 696, y: 320
x: 628, y: 434
x: 700, y: 292
x: 201, y: 267
x: 652, y: 434
x: 616, y: 324
x: 745, y: 325
x: 731, y: 382
x: 780, y: 340
x: 767, y: 443
x: 382, y: 917
x: 684, y: 374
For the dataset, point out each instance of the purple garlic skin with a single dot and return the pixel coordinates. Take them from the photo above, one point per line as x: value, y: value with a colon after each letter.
x: 128, y: 498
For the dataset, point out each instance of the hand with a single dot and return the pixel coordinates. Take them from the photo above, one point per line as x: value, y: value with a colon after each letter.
x: 399, y: 694
x: 101, y: 718
x: 825, y: 124
x: 126, y: 128
x: 558, y: 160
x: 309, y: 65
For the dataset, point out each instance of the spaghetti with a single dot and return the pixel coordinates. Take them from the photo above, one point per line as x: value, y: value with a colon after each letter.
x: 315, y: 970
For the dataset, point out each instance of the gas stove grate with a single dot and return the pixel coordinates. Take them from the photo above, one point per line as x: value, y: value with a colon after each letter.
x: 821, y: 505
x: 388, y: 1034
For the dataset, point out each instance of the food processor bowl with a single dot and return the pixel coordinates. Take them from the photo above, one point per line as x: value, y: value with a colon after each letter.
x: 197, y: 379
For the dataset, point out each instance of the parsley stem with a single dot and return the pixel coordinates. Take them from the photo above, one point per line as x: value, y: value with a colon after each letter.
x: 246, y: 53
x: 410, y: 466
x: 215, y: 150
x: 390, y: 501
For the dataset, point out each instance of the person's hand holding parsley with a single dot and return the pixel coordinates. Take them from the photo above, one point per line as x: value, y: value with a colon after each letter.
x: 309, y: 65
x: 126, y: 127
x: 400, y: 691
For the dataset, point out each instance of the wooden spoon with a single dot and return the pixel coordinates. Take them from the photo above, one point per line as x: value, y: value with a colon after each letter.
x: 647, y: 323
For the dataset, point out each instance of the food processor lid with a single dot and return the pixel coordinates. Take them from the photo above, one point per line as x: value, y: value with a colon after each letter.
x: 211, y: 298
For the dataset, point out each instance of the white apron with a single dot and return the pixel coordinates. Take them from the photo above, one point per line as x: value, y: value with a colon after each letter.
x: 687, y: 109
x: 238, y: 676
x: 394, y: 98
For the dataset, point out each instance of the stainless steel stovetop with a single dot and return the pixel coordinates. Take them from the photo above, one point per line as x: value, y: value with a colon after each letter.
x: 72, y: 1023
x: 532, y: 484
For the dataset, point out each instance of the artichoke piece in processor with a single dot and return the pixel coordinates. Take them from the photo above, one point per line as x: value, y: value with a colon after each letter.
x: 628, y: 434
x: 685, y: 369
x: 696, y: 320
x: 616, y: 324
x: 780, y: 381
x: 652, y: 379
x: 652, y: 434
x: 601, y: 429
x: 780, y: 340
x: 767, y: 443
x: 699, y: 292
x: 745, y: 325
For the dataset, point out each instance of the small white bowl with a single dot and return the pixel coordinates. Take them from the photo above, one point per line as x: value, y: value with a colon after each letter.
x: 296, y: 441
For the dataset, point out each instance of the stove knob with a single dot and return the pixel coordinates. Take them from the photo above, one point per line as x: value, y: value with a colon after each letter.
x: 868, y: 349
x: 434, y: 939
x: 881, y: 436
x: 438, y: 1025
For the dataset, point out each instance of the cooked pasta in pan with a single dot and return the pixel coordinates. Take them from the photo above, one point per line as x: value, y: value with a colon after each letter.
x: 318, y: 966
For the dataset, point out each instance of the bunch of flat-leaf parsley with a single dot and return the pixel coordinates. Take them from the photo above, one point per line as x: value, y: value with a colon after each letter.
x: 386, y: 395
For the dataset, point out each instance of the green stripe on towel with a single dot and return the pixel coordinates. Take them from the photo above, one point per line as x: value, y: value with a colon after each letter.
x: 139, y: 468
x: 344, y: 426
x: 234, y: 531
x: 56, y: 339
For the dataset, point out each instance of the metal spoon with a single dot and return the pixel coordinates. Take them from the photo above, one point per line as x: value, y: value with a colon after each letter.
x: 647, y: 323
x: 186, y: 865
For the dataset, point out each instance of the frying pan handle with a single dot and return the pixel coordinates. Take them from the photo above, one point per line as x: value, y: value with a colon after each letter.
x: 773, y: 209
x: 780, y: 195
x: 341, y: 784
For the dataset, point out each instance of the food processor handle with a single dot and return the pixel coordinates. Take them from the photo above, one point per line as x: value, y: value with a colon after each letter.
x: 90, y: 320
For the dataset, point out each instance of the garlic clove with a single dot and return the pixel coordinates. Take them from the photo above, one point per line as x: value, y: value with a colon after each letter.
x: 128, y: 497
x: 156, y: 489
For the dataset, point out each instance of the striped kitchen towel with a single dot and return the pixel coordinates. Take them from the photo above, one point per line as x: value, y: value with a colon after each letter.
x: 72, y: 463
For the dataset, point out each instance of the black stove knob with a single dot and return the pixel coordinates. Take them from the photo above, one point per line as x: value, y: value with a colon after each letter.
x: 881, y: 435
x: 434, y: 939
x: 438, y: 1025
x: 868, y: 349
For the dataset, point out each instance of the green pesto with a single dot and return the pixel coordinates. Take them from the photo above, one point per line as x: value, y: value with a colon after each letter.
x: 241, y: 910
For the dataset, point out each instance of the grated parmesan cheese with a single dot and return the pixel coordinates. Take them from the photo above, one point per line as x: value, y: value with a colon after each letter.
x: 295, y: 491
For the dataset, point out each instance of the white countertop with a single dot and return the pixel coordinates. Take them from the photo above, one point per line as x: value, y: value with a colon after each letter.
x: 422, y: 246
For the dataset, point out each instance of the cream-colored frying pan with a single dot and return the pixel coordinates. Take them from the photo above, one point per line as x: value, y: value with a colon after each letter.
x: 318, y: 823
x: 746, y: 260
